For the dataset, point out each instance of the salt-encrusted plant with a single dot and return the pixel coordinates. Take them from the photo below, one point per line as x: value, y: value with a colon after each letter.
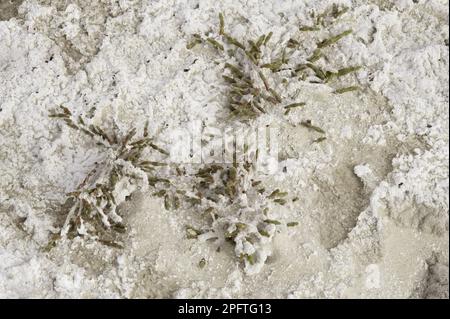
x: 250, y: 66
x: 236, y: 208
x: 93, y: 204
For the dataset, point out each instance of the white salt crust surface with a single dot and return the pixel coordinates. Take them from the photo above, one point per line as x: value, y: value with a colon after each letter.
x: 373, y: 199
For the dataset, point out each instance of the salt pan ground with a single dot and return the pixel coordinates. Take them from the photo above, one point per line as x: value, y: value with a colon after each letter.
x: 372, y: 206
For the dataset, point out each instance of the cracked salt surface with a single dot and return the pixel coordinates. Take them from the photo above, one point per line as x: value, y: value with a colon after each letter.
x: 373, y: 198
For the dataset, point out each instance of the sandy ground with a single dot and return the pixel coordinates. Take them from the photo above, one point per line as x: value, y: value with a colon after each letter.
x: 373, y: 197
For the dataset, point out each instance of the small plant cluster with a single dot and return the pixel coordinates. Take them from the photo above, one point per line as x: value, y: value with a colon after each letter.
x: 235, y: 206
x: 247, y: 69
x: 93, y: 204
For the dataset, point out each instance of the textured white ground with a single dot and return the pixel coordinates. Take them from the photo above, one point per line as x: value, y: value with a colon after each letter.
x: 373, y: 199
